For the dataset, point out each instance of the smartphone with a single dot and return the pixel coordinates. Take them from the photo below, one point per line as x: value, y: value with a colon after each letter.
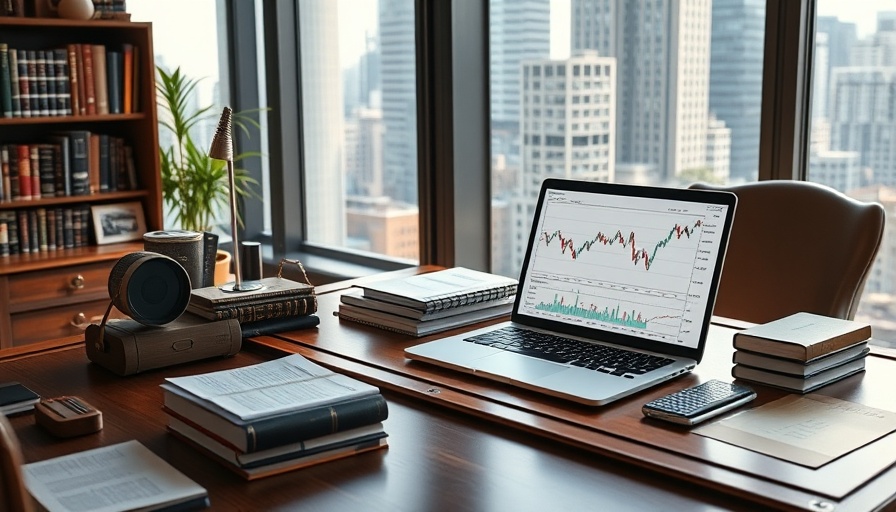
x: 699, y: 403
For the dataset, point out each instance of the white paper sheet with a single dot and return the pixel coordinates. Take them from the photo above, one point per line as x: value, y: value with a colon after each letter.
x: 810, y: 430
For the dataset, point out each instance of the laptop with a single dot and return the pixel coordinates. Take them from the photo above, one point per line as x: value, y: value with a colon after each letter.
x: 615, y: 294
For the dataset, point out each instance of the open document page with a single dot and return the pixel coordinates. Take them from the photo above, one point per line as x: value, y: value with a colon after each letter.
x: 290, y: 383
x: 126, y: 476
x: 810, y: 430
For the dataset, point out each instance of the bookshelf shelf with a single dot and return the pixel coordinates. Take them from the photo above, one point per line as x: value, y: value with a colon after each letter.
x: 36, y: 287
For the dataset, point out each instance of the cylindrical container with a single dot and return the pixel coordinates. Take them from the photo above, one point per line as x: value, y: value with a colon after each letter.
x: 184, y: 247
x: 149, y: 287
x: 250, y: 261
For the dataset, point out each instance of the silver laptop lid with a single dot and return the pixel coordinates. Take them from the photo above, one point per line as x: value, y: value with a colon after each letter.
x: 631, y: 265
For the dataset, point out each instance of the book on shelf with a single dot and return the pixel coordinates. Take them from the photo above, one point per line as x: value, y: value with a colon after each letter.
x: 15, y: 397
x: 100, y: 83
x: 15, y: 92
x: 74, y: 78
x: 124, y: 476
x: 5, y: 81
x: 41, y: 83
x: 79, y: 161
x: 276, y: 461
x: 127, y: 78
x: 411, y: 327
x: 24, y: 82
x: 275, y: 325
x: 34, y: 155
x: 799, y: 383
x: 793, y: 367
x: 361, y: 301
x: 272, y: 431
x: 89, y: 81
x: 211, y: 297
x: 802, y: 336
x: 24, y: 171
x: 63, y: 83
x: 113, y: 80
x: 258, y: 310
x: 443, y: 289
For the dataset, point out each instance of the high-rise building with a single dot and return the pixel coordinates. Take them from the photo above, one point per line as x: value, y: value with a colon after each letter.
x: 399, y: 99
x: 322, y: 108
x: 735, y: 79
x: 518, y: 30
x: 663, y: 52
x: 364, y: 153
x: 568, y: 116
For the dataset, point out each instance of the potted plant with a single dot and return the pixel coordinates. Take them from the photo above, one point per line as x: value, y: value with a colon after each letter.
x: 195, y: 187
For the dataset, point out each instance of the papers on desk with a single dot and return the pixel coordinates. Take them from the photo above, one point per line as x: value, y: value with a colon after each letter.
x: 121, y: 477
x: 810, y: 430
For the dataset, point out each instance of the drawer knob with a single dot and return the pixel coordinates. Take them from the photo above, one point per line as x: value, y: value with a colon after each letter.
x: 80, y: 321
x: 77, y: 282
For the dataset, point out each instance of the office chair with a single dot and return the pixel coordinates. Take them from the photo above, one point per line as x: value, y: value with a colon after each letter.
x: 13, y: 496
x: 796, y: 246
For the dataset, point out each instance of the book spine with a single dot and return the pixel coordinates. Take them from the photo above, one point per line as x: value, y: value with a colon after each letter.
x: 79, y: 163
x: 5, y: 81
x: 343, y: 316
x: 51, y: 229
x: 60, y: 228
x: 4, y: 173
x: 49, y: 78
x: 63, y: 82
x: 101, y: 88
x: 14, y: 189
x: 113, y: 80
x: 15, y: 93
x: 448, y: 302
x: 34, y: 153
x: 37, y: 84
x: 301, y: 426
x: 269, y: 311
x: 93, y: 160
x: 42, y: 238
x: 46, y: 162
x: 24, y: 174
x: 33, y: 231
x: 127, y: 75
x: 74, y: 78
x: 24, y: 82
x: 12, y: 227
x: 4, y: 237
x: 89, y: 83
x: 24, y: 232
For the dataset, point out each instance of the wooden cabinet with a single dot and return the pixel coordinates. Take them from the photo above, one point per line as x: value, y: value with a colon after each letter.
x: 50, y: 293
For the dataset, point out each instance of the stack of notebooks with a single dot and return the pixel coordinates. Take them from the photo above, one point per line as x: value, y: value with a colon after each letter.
x: 16, y: 398
x: 279, y: 305
x: 429, y: 303
x: 801, y: 352
x: 275, y: 416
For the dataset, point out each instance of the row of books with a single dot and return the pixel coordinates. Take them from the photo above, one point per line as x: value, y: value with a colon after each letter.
x: 430, y: 303
x: 73, y: 163
x: 801, y: 352
x: 275, y: 416
x: 75, y: 80
x: 102, y: 9
x: 277, y: 305
x: 37, y: 230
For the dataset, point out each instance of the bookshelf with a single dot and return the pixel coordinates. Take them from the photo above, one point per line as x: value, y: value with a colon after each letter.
x: 55, y: 293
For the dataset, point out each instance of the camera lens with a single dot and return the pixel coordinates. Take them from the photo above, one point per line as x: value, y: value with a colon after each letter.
x: 151, y: 288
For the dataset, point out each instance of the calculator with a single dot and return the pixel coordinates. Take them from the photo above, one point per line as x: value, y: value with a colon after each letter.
x: 699, y: 403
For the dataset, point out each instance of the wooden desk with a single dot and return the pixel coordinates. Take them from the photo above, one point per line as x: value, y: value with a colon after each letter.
x: 438, y: 459
x: 862, y: 480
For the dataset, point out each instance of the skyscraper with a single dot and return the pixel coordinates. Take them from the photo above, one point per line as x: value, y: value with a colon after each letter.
x: 662, y: 53
x: 735, y: 83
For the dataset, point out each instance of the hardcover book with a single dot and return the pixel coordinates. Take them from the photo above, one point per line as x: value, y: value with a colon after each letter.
x: 802, y: 336
x: 799, y: 368
x: 282, y: 464
x: 412, y: 327
x: 416, y: 314
x: 272, y: 431
x: 211, y: 297
x: 444, y: 289
x: 257, y: 310
x: 798, y: 384
x: 16, y: 397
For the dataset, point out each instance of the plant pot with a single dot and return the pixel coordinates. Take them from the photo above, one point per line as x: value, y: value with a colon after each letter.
x: 222, y: 267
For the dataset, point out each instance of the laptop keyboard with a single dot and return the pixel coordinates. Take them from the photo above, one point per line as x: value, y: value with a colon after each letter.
x: 601, y: 358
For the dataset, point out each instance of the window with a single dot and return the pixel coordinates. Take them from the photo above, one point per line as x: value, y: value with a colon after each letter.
x: 853, y: 129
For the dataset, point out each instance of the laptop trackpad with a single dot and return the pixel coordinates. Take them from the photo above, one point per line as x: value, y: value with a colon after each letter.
x: 516, y: 367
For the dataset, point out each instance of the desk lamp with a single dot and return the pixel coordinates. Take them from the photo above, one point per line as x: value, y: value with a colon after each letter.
x: 222, y: 149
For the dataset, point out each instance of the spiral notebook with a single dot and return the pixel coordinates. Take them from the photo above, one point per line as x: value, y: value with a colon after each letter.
x: 615, y: 294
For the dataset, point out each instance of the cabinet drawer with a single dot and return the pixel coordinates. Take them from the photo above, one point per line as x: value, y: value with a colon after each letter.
x: 47, y: 324
x: 64, y: 285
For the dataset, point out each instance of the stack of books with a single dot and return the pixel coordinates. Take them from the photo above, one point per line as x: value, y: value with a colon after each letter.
x: 16, y: 398
x: 276, y: 416
x: 279, y: 305
x: 429, y: 303
x: 801, y: 352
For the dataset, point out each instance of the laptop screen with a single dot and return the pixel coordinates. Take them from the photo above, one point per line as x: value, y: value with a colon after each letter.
x: 640, y: 265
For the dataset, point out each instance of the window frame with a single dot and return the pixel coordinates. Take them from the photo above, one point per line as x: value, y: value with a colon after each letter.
x: 454, y: 128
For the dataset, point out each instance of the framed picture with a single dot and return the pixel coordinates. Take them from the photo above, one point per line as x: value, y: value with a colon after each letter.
x: 118, y: 222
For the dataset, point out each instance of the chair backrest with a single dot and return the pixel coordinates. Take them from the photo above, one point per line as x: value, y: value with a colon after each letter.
x: 13, y: 495
x: 796, y: 246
